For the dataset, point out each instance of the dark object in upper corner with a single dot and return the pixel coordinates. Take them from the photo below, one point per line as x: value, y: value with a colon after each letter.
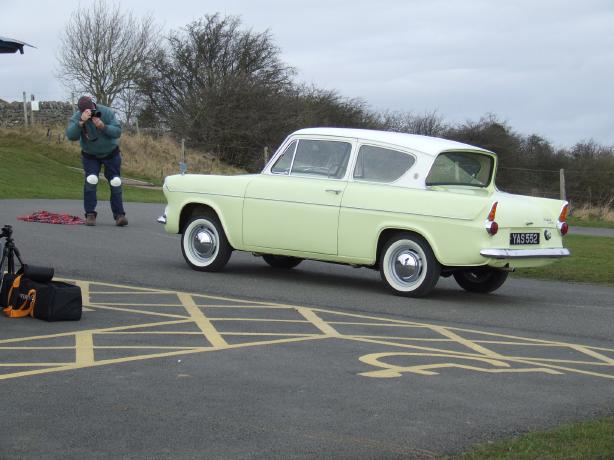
x: 10, y: 45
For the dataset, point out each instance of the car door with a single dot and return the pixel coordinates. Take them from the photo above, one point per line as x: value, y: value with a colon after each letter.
x: 296, y: 206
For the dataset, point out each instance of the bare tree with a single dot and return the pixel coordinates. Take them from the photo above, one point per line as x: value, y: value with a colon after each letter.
x: 429, y: 124
x: 219, y: 86
x: 103, y: 50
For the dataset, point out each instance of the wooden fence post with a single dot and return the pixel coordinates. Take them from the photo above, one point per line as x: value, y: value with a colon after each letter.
x: 25, y: 111
x: 562, y: 184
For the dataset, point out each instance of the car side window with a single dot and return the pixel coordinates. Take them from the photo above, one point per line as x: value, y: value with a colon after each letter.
x: 283, y: 163
x: 321, y: 158
x: 377, y: 164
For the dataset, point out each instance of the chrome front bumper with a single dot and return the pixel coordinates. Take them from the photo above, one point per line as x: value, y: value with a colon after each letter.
x: 551, y: 253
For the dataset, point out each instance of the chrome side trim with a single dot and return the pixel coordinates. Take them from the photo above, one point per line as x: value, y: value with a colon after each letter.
x: 161, y: 219
x: 551, y: 253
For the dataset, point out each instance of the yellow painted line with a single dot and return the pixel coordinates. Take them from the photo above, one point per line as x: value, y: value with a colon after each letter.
x: 37, y: 348
x: 152, y: 333
x: 593, y: 353
x: 272, y: 334
x: 212, y: 335
x: 350, y: 323
x: 145, y: 357
x: 465, y: 342
x: 133, y: 304
x: 262, y: 320
x: 562, y: 368
x: 131, y: 292
x: 84, y: 344
x: 144, y: 312
x: 94, y: 331
x: 34, y: 364
x: 151, y: 347
x: 247, y: 307
x: 563, y: 361
x: 318, y: 322
x: 411, y: 339
x: 412, y: 347
x: 524, y: 344
x: 85, y: 291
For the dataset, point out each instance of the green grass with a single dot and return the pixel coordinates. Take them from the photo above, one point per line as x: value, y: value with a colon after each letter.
x: 590, y: 222
x: 586, y: 440
x: 41, y: 170
x: 591, y: 261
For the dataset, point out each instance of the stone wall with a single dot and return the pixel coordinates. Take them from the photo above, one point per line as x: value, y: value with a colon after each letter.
x: 49, y: 113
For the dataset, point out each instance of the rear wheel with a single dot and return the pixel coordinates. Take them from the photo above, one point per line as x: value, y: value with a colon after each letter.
x: 480, y: 279
x: 408, y: 265
x: 281, y: 261
x: 204, y: 244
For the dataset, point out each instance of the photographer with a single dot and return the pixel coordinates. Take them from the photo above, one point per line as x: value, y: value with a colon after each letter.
x: 99, y: 131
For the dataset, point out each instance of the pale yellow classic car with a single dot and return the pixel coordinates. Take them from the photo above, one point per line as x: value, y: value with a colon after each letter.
x: 413, y: 207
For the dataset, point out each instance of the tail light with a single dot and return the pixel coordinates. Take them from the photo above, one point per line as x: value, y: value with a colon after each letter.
x: 490, y: 225
x: 562, y: 223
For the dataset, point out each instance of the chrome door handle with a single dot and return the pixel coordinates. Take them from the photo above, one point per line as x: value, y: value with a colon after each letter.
x: 333, y: 190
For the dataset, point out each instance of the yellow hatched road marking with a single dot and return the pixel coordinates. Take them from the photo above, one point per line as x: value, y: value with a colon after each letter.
x: 318, y: 322
x: 192, y: 303
x: 84, y: 348
x: 210, y: 332
x: 468, y: 343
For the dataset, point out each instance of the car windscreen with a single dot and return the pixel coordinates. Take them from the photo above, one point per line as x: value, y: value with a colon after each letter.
x: 461, y: 168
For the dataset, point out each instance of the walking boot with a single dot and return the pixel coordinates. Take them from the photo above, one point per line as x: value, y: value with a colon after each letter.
x: 90, y: 219
x: 121, y: 221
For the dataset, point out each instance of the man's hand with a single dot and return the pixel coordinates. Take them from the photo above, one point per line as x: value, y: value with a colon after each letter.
x: 86, y: 115
x: 98, y: 122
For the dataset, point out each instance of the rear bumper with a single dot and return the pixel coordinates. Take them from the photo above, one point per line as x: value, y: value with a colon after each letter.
x: 551, y: 253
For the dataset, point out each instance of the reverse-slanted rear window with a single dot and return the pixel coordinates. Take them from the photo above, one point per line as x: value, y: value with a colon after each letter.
x: 377, y: 164
x: 461, y: 168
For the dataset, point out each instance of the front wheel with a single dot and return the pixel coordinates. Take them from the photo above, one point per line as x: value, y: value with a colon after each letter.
x: 281, y: 261
x: 480, y: 279
x: 408, y: 265
x: 204, y: 244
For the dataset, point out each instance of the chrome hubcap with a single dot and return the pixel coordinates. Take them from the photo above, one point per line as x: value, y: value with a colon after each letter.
x: 204, y: 243
x: 406, y: 265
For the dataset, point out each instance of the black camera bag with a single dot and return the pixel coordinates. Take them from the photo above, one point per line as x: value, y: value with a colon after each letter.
x: 63, y: 303
x: 34, y: 293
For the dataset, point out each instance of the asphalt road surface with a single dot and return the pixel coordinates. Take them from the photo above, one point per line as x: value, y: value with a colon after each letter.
x: 254, y: 362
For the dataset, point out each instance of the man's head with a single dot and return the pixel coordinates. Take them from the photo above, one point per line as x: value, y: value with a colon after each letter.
x: 85, y: 102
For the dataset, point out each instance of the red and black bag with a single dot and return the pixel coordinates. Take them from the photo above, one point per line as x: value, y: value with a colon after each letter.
x: 33, y: 293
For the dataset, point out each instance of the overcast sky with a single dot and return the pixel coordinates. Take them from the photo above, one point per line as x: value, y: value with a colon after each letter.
x: 544, y: 66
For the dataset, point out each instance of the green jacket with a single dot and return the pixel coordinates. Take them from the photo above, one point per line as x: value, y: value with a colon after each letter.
x: 105, y: 140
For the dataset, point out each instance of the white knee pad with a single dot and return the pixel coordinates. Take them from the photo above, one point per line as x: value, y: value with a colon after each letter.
x: 116, y: 182
x: 92, y: 179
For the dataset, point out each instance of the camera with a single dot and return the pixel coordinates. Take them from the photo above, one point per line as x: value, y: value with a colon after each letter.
x: 96, y: 113
x: 6, y: 232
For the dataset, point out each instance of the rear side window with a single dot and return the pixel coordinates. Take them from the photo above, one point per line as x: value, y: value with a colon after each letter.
x: 377, y: 164
x: 461, y: 168
x: 283, y: 163
x: 321, y: 158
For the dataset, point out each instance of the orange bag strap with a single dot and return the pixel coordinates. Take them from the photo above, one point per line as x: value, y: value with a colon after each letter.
x: 26, y: 308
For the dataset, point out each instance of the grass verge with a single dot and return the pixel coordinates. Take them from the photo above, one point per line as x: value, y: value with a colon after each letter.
x: 591, y: 261
x: 40, y: 170
x: 585, y: 440
x: 590, y: 222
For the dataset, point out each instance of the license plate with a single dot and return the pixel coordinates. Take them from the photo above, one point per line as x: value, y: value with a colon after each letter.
x: 524, y: 238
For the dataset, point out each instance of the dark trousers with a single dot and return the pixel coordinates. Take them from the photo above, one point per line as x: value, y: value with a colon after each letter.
x: 112, y: 166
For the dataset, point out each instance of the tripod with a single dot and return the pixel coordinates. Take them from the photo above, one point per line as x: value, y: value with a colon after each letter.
x: 9, y: 252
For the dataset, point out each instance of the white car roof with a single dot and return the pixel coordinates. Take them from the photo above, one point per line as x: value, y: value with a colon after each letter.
x: 426, y: 144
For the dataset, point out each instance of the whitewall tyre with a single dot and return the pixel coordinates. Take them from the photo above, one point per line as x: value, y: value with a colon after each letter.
x: 408, y: 266
x: 204, y: 244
